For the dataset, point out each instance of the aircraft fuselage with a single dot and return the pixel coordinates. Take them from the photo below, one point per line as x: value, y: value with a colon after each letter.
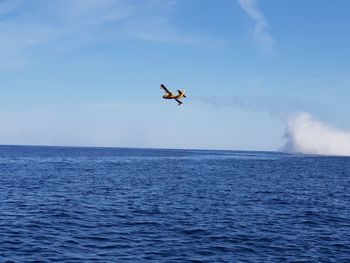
x: 179, y: 96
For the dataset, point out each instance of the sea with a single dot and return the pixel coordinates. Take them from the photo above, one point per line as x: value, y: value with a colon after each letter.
x: 71, y: 204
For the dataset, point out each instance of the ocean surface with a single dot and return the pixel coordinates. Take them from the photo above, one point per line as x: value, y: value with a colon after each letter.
x: 60, y: 204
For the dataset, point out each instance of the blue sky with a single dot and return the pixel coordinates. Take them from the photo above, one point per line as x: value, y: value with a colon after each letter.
x: 87, y: 73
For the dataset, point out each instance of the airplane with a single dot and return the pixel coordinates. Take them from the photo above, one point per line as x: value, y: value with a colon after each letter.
x: 169, y: 95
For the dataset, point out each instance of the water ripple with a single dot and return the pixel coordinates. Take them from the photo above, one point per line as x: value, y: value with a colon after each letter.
x: 139, y: 205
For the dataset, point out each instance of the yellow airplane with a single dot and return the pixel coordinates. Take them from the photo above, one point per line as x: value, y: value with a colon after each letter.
x: 168, y: 95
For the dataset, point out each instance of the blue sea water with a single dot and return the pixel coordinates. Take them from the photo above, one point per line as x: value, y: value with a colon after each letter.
x: 60, y: 204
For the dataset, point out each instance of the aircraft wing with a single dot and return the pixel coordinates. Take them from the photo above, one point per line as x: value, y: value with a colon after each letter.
x: 179, y: 101
x: 165, y: 89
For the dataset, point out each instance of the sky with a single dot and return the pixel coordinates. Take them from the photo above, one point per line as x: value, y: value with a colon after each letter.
x: 87, y: 73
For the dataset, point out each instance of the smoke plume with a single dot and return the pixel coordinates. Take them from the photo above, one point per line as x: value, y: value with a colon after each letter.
x: 307, y: 135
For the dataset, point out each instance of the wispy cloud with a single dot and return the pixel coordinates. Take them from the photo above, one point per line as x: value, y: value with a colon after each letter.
x: 260, y: 33
x: 70, y: 23
x: 7, y: 6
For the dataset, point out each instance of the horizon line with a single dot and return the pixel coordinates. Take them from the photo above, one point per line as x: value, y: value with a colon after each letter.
x: 136, y: 148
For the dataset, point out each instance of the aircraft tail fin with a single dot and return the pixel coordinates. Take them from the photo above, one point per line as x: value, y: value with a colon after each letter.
x: 182, y: 93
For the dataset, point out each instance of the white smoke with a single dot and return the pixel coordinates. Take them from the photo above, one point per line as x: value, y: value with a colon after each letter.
x: 307, y: 135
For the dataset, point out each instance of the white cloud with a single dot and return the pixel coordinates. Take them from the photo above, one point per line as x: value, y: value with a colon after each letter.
x: 261, y: 36
x: 70, y: 24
